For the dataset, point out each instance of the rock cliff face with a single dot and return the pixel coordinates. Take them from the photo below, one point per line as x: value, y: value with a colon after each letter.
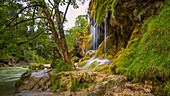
x: 137, y: 39
x: 123, y: 16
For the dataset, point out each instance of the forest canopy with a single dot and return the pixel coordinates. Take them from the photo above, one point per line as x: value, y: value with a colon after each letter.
x: 33, y: 30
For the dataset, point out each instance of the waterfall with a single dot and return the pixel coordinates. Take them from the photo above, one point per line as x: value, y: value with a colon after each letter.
x: 94, y: 38
x: 94, y: 34
x: 98, y: 34
x: 105, y: 34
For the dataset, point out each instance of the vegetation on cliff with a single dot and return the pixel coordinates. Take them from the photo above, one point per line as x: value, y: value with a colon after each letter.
x: 146, y: 56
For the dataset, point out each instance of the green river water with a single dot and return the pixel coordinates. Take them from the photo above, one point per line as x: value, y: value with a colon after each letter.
x: 8, y: 77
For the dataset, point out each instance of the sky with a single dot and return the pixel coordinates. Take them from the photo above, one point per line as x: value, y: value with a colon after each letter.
x: 73, y: 13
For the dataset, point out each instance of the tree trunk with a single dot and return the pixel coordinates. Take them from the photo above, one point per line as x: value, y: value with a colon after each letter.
x: 61, y: 42
x: 61, y: 32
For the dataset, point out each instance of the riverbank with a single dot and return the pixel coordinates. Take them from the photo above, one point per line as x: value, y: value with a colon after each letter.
x: 78, y: 83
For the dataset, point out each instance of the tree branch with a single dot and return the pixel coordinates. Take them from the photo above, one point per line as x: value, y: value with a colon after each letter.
x: 33, y: 14
x: 51, y: 3
x: 66, y: 11
x: 14, y: 17
x: 27, y: 20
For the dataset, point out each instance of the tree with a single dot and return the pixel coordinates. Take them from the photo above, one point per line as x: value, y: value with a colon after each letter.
x: 35, y: 11
x: 76, y: 45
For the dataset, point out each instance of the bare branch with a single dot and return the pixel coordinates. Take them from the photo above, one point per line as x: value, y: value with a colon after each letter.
x: 66, y: 11
x: 51, y: 3
x: 33, y: 14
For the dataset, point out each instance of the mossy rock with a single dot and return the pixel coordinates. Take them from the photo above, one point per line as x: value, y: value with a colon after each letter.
x: 102, y: 68
x: 92, y: 54
x: 86, y: 57
x: 111, y: 48
x: 121, y: 70
x: 26, y: 75
x: 82, y: 63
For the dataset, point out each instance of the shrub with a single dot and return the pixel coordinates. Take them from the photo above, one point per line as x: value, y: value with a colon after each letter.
x: 59, y: 65
x: 121, y: 70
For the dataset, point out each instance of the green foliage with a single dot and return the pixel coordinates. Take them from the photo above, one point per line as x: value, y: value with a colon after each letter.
x: 121, y: 70
x: 25, y: 38
x: 60, y: 66
x: 75, y: 59
x: 141, y: 12
x: 32, y: 67
x: 55, y: 81
x: 77, y: 85
x: 75, y: 35
x: 102, y: 7
x: 147, y: 55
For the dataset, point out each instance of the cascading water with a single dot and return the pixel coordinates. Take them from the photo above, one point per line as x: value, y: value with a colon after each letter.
x: 98, y: 35
x: 93, y: 35
x: 105, y: 34
x: 92, y: 63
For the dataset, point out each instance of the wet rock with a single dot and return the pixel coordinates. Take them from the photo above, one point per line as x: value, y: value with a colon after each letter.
x: 32, y: 81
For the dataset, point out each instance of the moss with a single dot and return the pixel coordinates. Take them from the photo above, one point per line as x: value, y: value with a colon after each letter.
x: 147, y: 55
x: 121, y: 70
x: 32, y: 67
x: 111, y: 48
x: 92, y: 65
x: 63, y: 88
x: 86, y: 39
x: 86, y: 57
x: 82, y: 63
x: 55, y: 81
x: 109, y: 56
x: 102, y: 7
x: 103, y: 67
x: 141, y: 12
x: 24, y: 76
x: 100, y: 51
x: 78, y: 84
x: 75, y: 59
x: 41, y: 67
x: 92, y: 54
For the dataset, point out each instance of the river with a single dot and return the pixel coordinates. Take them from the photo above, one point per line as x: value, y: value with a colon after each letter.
x: 8, y: 77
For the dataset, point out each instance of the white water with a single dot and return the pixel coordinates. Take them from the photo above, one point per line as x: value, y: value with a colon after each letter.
x: 40, y: 73
x: 105, y: 34
x: 98, y: 34
x: 98, y: 61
